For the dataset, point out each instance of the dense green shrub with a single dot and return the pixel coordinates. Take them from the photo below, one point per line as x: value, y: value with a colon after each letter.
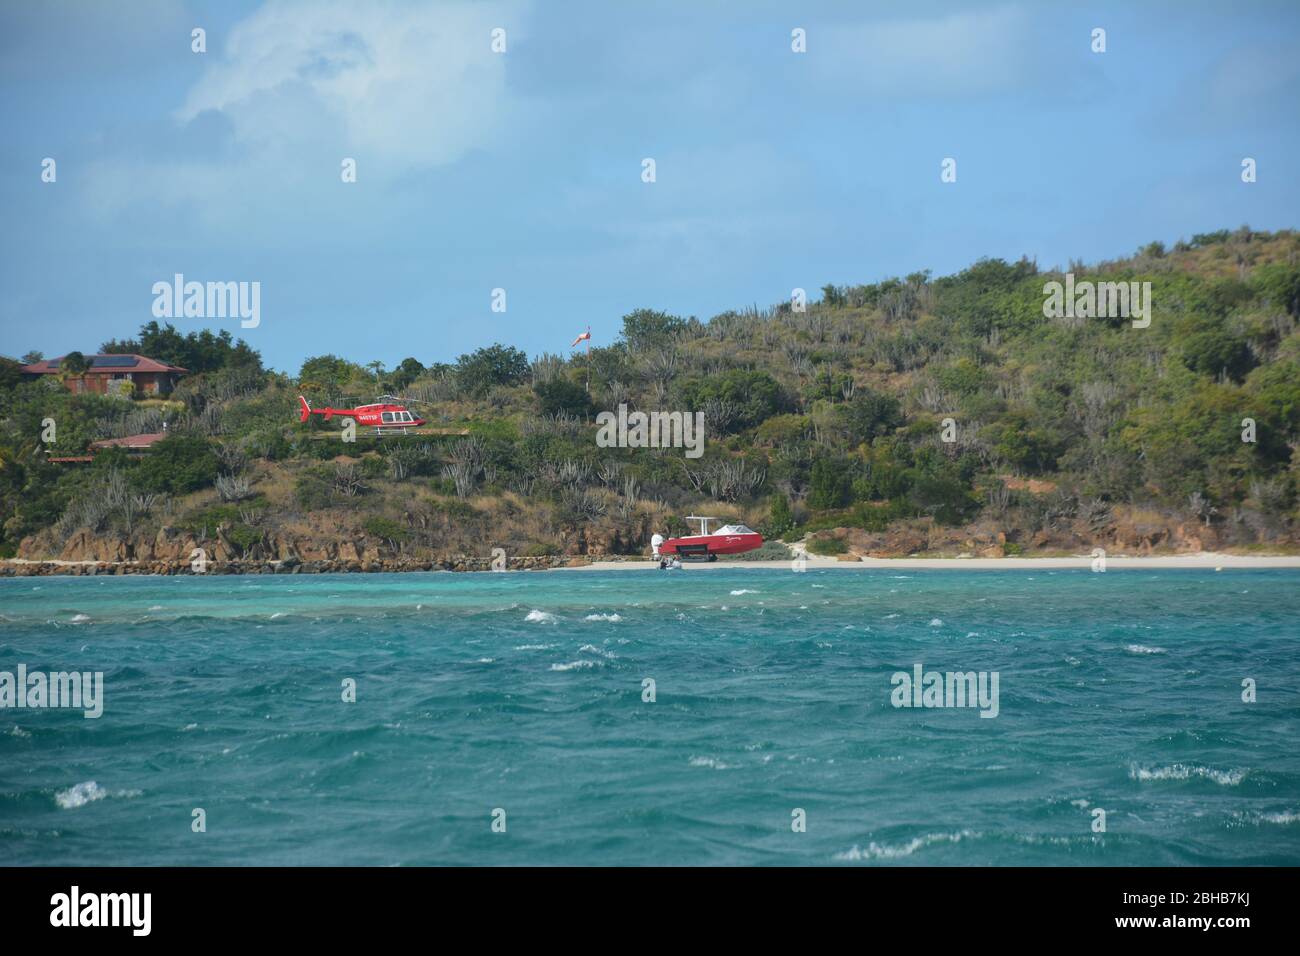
x: 178, y: 464
x: 781, y: 519
x: 832, y: 483
x: 944, y: 498
x: 385, y: 528
x: 484, y: 368
x: 753, y: 395
x: 646, y: 327
x: 561, y: 395
x: 201, y: 351
x: 871, y: 414
x: 828, y: 547
x: 1215, y: 351
x: 312, y: 492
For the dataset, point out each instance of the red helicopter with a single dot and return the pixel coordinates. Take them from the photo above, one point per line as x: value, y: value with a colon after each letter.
x: 384, y: 417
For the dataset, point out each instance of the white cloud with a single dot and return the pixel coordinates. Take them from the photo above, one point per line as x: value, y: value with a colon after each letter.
x: 401, y: 85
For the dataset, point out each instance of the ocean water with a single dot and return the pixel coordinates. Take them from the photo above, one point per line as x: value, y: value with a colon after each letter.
x: 523, y: 693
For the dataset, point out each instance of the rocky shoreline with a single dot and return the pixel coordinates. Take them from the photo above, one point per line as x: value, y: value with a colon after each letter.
x: 29, y: 569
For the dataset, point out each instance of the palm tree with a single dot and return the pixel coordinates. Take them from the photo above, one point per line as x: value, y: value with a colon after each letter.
x: 72, y: 366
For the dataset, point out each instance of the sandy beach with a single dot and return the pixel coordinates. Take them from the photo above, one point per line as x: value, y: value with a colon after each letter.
x: 1202, y: 561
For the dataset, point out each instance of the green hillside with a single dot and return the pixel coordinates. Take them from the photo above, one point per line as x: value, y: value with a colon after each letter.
x: 1069, y: 433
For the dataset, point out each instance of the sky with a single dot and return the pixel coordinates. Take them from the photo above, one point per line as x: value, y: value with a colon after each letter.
x: 522, y: 170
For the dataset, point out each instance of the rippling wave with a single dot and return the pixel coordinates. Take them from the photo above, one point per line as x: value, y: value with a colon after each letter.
x: 637, y: 717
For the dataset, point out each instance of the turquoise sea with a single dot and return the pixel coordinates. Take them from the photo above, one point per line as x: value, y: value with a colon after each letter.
x: 523, y: 693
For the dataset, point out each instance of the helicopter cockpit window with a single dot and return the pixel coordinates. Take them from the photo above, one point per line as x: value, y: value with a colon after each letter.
x: 388, y: 417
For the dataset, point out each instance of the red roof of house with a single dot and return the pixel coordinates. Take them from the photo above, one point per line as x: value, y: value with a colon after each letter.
x: 105, y: 365
x: 130, y: 441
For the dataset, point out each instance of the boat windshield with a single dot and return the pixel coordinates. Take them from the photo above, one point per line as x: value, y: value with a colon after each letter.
x: 733, y: 529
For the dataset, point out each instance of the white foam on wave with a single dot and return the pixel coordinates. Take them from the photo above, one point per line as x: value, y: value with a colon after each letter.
x: 711, y: 762
x: 19, y: 732
x: 603, y: 617
x: 1143, y: 649
x: 80, y: 618
x: 80, y: 795
x: 1282, y: 818
x: 936, y: 622
x: 541, y: 617
x: 742, y: 591
x: 533, y: 647
x: 879, y: 851
x: 593, y: 649
x: 574, y: 665
x: 1256, y: 818
x: 1182, y: 771
x: 86, y: 792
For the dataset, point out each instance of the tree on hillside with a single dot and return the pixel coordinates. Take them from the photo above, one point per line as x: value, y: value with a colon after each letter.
x: 73, y: 365
x: 329, y: 374
x: 754, y: 395
x: 944, y: 498
x: 870, y: 414
x: 10, y: 372
x: 201, y: 351
x: 646, y: 327
x: 561, y: 395
x: 1279, y: 283
x: 407, y: 371
x: 496, y: 364
x: 1215, y: 352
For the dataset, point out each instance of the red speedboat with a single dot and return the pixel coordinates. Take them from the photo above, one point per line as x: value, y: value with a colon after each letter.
x: 729, y: 539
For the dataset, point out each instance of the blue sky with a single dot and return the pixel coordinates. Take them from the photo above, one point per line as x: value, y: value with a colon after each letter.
x: 522, y: 170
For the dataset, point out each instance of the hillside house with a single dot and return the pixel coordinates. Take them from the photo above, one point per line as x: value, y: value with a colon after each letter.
x: 144, y: 375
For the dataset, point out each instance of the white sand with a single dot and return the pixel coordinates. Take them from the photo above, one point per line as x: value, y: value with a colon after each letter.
x: 1203, y: 560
